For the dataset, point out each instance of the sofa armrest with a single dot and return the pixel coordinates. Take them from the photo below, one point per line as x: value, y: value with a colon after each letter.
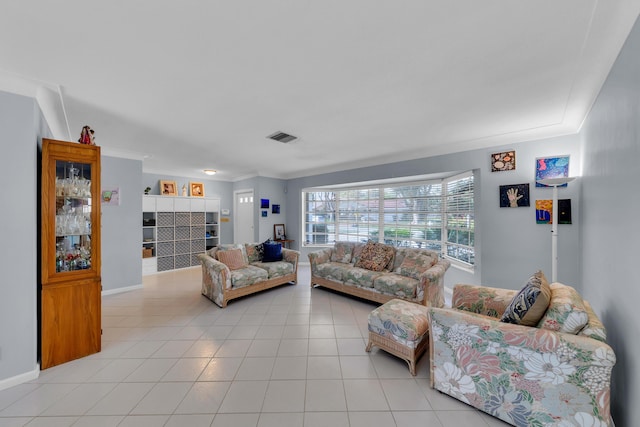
x: 520, y: 374
x: 216, y: 277
x: 431, y: 284
x: 481, y: 299
x: 319, y: 257
x: 291, y: 256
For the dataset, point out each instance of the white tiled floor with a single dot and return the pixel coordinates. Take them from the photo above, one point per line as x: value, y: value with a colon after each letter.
x: 290, y: 356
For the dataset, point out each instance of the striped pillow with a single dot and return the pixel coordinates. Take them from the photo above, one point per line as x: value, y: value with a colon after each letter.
x: 232, y: 258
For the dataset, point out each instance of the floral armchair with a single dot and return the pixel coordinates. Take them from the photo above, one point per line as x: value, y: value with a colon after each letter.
x: 524, y: 375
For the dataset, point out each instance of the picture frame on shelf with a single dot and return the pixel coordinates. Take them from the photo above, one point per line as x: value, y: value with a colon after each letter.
x: 196, y: 188
x: 168, y: 188
x: 278, y: 232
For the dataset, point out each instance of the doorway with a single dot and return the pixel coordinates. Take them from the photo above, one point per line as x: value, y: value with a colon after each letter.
x: 243, y: 230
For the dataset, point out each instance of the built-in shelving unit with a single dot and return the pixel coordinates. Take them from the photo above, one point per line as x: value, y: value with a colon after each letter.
x: 176, y: 229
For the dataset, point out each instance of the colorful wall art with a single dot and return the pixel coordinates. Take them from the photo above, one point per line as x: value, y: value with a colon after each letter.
x: 544, y: 211
x: 514, y: 196
x: 503, y: 161
x: 551, y: 167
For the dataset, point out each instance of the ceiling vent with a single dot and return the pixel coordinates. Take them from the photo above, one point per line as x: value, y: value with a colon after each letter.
x: 282, y: 137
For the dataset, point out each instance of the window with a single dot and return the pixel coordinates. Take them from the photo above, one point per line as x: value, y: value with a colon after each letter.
x: 436, y: 214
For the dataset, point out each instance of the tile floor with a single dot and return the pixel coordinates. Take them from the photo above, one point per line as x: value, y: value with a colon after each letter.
x: 290, y: 356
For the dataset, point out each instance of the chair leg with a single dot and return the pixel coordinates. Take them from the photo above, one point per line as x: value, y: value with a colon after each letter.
x: 369, y: 345
x: 412, y: 367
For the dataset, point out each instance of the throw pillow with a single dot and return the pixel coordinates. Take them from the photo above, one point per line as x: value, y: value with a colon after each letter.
x: 272, y: 252
x: 530, y: 304
x: 566, y: 312
x: 375, y: 256
x: 255, y: 253
x: 232, y: 258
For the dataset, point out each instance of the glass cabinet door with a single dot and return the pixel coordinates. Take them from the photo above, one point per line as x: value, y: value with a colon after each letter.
x: 73, y: 216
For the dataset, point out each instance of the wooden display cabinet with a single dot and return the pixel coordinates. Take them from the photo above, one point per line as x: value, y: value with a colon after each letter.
x: 70, y: 300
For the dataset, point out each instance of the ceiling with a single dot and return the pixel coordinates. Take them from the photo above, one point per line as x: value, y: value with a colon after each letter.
x: 193, y: 84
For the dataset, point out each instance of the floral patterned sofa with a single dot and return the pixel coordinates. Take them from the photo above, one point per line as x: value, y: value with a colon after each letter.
x: 556, y: 373
x: 220, y: 283
x: 380, y: 273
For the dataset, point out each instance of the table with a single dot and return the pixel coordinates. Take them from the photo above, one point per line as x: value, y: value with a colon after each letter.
x: 286, y: 243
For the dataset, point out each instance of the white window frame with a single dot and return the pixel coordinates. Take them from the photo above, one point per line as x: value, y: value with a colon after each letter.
x: 443, y: 244
x: 446, y: 227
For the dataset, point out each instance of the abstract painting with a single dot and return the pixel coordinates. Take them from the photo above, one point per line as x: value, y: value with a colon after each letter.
x: 552, y: 167
x: 503, y: 161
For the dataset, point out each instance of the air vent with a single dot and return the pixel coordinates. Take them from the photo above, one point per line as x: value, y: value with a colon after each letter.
x: 282, y: 137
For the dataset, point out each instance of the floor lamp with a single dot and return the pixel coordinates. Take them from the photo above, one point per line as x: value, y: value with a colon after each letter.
x: 555, y: 183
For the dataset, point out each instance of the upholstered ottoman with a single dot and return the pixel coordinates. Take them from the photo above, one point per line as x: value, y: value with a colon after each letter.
x: 401, y: 328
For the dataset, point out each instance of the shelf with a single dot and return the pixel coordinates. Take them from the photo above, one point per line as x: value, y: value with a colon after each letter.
x: 178, y: 227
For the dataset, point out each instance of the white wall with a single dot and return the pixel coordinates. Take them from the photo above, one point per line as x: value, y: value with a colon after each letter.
x: 122, y: 224
x: 510, y: 246
x: 21, y: 127
x: 610, y: 235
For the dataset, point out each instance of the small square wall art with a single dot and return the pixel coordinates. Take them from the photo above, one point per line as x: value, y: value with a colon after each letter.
x: 544, y: 211
x: 514, y: 196
x: 503, y: 161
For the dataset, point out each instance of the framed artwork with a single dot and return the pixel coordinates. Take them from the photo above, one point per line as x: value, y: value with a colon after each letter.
x: 264, y: 203
x: 197, y: 189
x: 278, y: 232
x: 110, y: 196
x: 544, y: 211
x: 275, y: 209
x: 514, y: 196
x: 503, y: 161
x: 551, y: 167
x: 168, y: 188
x: 264, y: 213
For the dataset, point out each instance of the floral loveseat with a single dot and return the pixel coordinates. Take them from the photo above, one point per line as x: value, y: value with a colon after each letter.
x: 411, y: 274
x: 556, y: 373
x: 221, y: 284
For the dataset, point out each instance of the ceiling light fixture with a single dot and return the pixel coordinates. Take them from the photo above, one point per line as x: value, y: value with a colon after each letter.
x: 209, y: 171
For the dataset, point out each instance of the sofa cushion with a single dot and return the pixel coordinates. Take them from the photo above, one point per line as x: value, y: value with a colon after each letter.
x: 566, y: 312
x: 272, y: 252
x: 232, y: 258
x: 375, y: 256
x: 275, y: 268
x: 255, y: 252
x: 248, y: 276
x: 332, y: 270
x: 360, y: 277
x: 404, y: 322
x: 342, y: 252
x: 414, y: 264
x: 529, y: 305
x: 394, y: 284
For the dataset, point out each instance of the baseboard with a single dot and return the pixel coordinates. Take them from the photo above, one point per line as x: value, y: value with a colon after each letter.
x: 120, y: 290
x: 304, y: 263
x: 20, y: 379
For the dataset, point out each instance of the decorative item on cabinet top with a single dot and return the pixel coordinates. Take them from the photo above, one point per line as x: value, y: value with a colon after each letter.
x: 168, y: 188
